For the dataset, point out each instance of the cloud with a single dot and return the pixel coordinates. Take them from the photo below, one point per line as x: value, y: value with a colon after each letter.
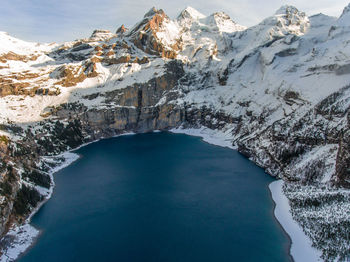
x: 64, y: 20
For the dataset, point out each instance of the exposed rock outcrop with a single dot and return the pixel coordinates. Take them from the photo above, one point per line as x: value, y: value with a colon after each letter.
x: 145, y: 35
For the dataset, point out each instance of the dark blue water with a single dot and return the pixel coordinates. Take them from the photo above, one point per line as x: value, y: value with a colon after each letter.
x: 159, y: 197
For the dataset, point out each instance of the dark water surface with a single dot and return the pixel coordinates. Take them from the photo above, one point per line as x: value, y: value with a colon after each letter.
x: 159, y: 197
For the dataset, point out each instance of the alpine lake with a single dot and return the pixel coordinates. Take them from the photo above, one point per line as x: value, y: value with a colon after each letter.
x: 159, y: 197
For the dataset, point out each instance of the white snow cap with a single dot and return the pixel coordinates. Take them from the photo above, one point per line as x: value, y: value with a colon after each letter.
x: 291, y: 19
x: 287, y: 9
x: 190, y: 12
x: 223, y: 23
x: 346, y: 10
x: 12, y: 44
x: 344, y: 19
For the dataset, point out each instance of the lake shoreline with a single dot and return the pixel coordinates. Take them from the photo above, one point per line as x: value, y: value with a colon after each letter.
x: 298, y: 253
x: 25, y: 235
x: 301, y: 248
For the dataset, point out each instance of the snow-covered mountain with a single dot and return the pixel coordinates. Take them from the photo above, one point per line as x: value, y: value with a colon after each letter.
x: 278, y: 91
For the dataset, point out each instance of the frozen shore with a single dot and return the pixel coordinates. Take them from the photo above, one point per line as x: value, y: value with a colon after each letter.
x: 20, y: 238
x: 214, y: 137
x: 301, y: 249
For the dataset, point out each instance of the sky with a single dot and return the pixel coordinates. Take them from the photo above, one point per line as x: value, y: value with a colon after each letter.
x: 67, y: 20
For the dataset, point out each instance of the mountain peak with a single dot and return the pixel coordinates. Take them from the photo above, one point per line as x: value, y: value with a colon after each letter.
x: 101, y: 35
x: 224, y: 23
x: 290, y: 20
x: 121, y: 30
x: 346, y: 10
x: 190, y: 12
x: 153, y: 11
x: 287, y: 10
x: 344, y: 19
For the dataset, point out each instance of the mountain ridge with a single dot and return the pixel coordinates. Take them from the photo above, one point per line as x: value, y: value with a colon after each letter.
x: 278, y: 91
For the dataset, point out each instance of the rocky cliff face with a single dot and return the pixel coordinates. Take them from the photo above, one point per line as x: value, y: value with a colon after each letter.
x: 279, y: 91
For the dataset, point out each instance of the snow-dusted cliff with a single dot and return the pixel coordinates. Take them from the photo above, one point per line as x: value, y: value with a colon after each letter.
x: 278, y: 91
